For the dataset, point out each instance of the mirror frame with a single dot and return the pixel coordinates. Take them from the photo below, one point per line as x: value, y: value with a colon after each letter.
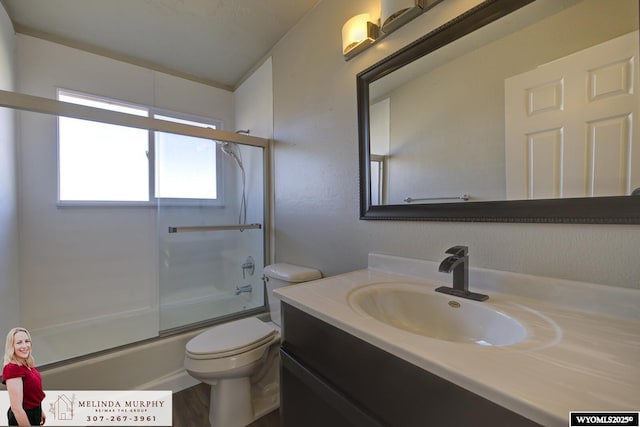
x: 587, y: 210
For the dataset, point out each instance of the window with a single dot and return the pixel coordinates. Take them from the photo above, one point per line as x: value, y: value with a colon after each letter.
x: 100, y: 162
x: 185, y: 167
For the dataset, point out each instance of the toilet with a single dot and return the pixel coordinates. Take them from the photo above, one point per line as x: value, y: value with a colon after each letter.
x: 240, y: 359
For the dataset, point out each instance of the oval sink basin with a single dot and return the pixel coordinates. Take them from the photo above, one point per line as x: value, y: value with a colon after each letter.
x: 420, y: 310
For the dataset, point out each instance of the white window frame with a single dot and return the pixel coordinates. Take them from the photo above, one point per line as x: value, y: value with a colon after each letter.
x: 152, y: 201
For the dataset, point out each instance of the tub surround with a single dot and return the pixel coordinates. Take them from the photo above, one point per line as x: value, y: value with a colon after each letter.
x: 581, y: 351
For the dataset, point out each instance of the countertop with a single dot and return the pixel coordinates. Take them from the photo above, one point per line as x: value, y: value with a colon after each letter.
x: 581, y: 353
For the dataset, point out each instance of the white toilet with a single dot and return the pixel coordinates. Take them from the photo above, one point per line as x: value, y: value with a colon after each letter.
x: 240, y: 359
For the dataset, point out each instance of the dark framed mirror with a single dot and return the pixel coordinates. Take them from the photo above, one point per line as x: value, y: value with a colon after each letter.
x: 477, y: 120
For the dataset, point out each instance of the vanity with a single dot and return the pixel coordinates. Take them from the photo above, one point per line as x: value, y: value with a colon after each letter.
x: 355, y: 352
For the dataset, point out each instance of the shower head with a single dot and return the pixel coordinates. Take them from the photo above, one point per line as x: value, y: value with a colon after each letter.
x: 227, y: 148
x: 231, y: 149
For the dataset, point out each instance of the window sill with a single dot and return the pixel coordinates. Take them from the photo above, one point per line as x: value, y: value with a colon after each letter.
x: 151, y: 204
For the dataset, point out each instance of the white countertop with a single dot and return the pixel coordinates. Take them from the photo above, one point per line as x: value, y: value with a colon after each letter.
x: 582, y: 351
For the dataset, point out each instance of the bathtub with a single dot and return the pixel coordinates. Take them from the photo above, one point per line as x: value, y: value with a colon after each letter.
x: 115, y: 351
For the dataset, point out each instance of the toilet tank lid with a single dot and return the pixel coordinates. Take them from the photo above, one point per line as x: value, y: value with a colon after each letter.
x: 291, y: 273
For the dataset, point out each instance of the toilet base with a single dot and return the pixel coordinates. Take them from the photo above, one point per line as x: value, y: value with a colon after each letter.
x: 237, y: 402
x: 230, y: 403
x: 231, y: 407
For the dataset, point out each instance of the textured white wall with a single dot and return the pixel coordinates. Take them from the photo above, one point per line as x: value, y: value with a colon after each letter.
x: 316, y: 176
x: 254, y: 102
x: 9, y: 288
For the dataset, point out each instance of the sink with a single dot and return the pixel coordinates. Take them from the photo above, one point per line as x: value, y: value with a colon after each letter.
x: 420, y: 310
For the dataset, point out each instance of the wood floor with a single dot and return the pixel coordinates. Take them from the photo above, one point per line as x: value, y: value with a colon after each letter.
x: 191, y: 409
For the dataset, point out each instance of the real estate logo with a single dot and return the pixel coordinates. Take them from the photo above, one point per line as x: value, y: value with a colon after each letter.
x: 62, y: 407
x: 108, y: 407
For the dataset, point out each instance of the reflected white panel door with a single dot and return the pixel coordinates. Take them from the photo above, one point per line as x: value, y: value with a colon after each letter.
x: 572, y: 125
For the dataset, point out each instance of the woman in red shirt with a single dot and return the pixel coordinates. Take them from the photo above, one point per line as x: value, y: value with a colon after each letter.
x: 23, y: 380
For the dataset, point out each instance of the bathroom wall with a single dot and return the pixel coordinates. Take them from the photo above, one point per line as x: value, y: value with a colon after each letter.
x: 316, y: 175
x: 253, y: 101
x: 9, y: 276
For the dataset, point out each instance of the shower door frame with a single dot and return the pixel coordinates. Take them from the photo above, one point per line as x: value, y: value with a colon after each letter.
x: 36, y: 104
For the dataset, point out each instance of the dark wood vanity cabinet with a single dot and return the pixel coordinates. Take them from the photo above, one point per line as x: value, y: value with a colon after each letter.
x: 331, y: 378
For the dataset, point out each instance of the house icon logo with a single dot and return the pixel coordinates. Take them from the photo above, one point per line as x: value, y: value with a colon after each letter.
x: 62, y: 407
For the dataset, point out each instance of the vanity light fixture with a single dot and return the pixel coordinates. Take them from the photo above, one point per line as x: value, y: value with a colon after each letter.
x: 396, y: 13
x: 358, y: 33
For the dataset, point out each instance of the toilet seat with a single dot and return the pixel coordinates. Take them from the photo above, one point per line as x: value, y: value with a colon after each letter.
x: 231, y: 339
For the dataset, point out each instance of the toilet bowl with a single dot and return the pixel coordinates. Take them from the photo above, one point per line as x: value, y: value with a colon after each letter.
x: 240, y: 359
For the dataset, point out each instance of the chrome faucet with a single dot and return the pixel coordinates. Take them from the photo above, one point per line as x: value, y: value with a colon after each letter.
x: 458, y: 263
x: 249, y: 265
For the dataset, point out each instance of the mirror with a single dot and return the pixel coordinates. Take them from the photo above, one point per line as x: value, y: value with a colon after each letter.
x: 516, y: 111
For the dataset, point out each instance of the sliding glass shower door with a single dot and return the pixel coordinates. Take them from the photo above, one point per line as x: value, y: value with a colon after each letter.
x: 211, y: 244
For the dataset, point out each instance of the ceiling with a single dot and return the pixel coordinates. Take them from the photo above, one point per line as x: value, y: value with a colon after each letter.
x: 217, y: 42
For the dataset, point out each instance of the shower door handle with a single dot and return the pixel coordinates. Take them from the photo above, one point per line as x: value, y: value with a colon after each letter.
x: 240, y: 227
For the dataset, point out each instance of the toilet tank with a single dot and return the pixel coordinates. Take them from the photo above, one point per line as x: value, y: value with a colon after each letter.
x: 283, y: 274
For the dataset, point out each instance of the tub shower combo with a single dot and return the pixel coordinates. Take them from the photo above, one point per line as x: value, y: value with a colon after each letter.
x: 208, y: 267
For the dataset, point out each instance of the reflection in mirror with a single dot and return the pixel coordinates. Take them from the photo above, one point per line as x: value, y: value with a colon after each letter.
x: 539, y: 104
